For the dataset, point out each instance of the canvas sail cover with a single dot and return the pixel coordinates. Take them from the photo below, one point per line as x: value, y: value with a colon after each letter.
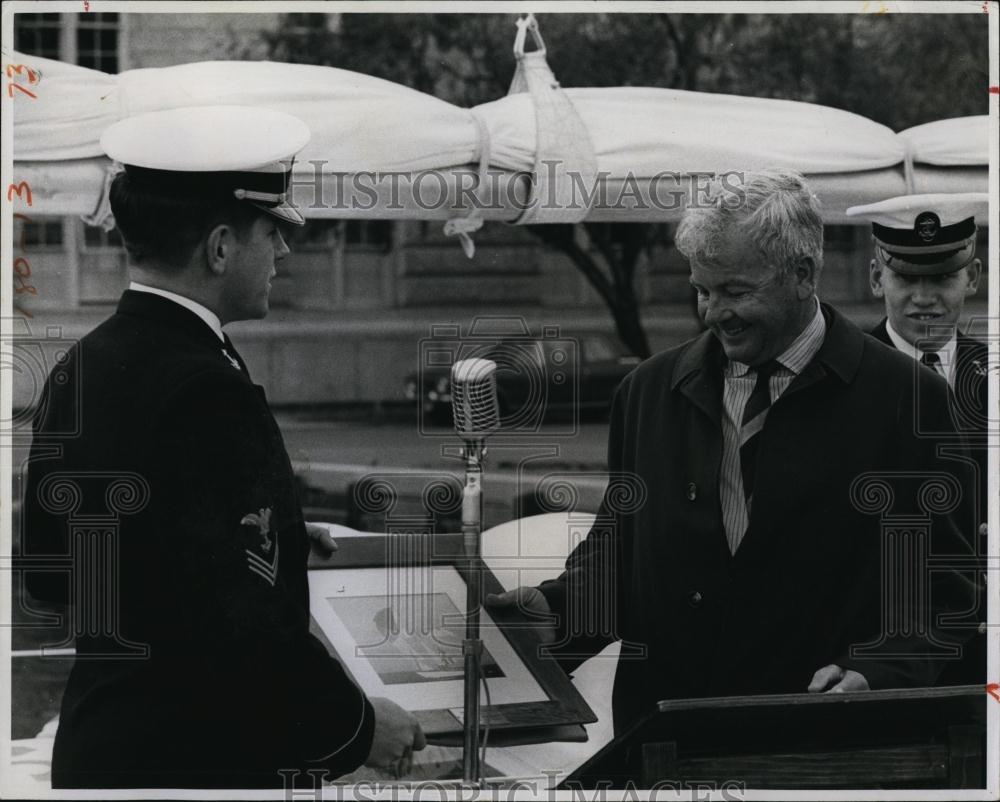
x: 382, y: 150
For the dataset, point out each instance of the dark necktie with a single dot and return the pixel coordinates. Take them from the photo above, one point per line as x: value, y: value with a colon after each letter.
x: 931, y: 360
x: 753, y: 422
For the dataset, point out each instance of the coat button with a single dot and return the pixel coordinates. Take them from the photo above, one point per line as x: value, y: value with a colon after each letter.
x: 694, y: 598
x: 692, y: 491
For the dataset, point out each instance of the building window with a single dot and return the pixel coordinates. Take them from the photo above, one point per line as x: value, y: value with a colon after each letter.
x: 97, y: 41
x: 315, y: 235
x: 98, y: 239
x: 41, y: 233
x: 38, y: 34
x: 102, y: 265
x: 91, y: 39
x: 368, y: 234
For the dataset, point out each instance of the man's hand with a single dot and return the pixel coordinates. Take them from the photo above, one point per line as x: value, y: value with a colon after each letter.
x: 397, y: 736
x: 834, y: 679
x: 322, y: 540
x: 531, y: 601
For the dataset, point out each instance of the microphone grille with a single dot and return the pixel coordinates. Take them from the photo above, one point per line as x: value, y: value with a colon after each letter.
x: 474, y: 397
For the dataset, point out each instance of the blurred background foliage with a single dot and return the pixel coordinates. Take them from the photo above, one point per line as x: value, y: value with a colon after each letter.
x: 900, y: 70
x: 897, y: 69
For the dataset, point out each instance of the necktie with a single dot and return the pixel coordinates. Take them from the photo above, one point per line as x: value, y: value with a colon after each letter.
x: 753, y: 422
x: 931, y: 360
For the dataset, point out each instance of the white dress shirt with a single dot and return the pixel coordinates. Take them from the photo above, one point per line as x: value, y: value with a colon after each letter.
x: 946, y: 355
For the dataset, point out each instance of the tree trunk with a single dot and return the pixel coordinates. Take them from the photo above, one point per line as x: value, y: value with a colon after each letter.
x: 631, y: 331
x: 616, y: 287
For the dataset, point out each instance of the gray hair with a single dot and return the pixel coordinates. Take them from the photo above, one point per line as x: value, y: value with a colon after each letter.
x: 775, y: 208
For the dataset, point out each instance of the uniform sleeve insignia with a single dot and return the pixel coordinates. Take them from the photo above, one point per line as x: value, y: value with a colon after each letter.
x: 262, y: 520
x: 268, y: 571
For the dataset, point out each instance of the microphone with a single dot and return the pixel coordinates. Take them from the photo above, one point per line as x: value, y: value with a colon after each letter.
x: 474, y: 404
x: 476, y: 412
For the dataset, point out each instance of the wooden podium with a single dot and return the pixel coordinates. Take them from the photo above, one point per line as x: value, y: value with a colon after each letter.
x: 915, y: 738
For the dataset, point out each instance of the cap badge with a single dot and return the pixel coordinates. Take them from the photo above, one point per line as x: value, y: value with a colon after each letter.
x: 262, y: 520
x: 927, y: 226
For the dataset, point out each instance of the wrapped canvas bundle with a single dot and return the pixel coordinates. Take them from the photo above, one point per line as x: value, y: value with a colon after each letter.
x: 381, y: 150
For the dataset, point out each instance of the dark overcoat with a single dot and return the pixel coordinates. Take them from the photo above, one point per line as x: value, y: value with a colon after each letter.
x: 159, y: 474
x: 841, y: 459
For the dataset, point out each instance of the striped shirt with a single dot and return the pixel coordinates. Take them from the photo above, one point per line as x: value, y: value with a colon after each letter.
x: 739, y: 383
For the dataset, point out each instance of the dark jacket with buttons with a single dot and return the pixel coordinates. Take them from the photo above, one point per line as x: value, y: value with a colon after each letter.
x: 969, y: 404
x: 160, y: 494
x: 840, y: 466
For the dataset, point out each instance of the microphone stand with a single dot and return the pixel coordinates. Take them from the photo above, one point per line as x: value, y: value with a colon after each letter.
x: 476, y: 413
x: 474, y: 453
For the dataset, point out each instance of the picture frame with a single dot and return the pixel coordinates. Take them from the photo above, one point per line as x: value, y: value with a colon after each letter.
x: 390, y: 607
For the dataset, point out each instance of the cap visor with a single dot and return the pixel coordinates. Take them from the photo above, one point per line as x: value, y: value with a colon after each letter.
x: 898, y: 263
x: 285, y: 212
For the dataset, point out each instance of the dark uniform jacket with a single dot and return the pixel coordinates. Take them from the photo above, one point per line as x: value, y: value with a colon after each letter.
x: 970, y: 405
x: 970, y: 413
x: 804, y: 585
x: 175, y: 503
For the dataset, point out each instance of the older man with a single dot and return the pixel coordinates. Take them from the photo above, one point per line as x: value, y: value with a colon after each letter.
x: 768, y: 450
x: 172, y: 500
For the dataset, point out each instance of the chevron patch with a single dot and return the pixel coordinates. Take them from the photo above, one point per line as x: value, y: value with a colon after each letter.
x: 267, y: 570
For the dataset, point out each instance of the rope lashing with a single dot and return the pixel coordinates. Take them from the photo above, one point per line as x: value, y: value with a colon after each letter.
x: 101, y: 216
x: 464, y: 227
x: 564, y: 152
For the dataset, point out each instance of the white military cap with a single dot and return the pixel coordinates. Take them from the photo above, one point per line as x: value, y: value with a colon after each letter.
x: 241, y: 152
x: 925, y: 235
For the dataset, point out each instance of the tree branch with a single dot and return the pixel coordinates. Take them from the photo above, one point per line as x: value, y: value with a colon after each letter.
x: 562, y: 237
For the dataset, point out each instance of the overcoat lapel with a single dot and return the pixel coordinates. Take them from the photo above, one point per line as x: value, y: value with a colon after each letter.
x: 699, y: 376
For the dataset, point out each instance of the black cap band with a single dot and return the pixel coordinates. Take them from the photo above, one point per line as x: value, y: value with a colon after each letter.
x: 927, y: 232
x: 208, y: 184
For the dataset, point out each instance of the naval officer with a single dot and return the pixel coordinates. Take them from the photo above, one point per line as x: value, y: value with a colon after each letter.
x: 924, y: 268
x: 195, y: 666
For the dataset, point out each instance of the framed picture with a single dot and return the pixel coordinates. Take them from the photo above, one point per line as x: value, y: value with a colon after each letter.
x: 391, y: 608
